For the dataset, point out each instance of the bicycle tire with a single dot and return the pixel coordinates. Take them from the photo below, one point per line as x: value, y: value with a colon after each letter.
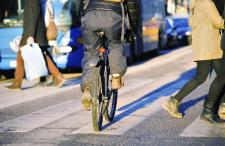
x: 97, y: 115
x: 109, y: 113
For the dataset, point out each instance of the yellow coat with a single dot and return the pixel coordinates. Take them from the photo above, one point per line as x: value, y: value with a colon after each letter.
x: 205, y: 22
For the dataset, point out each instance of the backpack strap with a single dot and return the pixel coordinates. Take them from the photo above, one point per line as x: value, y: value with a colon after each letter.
x: 123, y: 21
x: 127, y: 12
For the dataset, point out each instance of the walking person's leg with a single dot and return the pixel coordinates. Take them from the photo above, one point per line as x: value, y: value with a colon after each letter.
x: 202, y: 71
x: 58, y: 79
x: 216, y: 67
x: 19, y: 73
x: 214, y: 92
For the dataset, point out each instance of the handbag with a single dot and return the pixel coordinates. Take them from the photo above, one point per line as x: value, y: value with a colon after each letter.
x: 34, y: 62
x: 51, y: 31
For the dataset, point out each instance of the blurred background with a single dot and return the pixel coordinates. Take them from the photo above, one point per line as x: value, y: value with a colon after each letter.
x: 164, y: 26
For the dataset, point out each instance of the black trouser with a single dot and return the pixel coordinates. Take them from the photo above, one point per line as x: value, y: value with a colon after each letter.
x: 203, y: 69
x: 217, y: 86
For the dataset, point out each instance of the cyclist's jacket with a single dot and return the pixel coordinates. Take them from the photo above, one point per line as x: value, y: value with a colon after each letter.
x: 127, y: 8
x: 102, y: 5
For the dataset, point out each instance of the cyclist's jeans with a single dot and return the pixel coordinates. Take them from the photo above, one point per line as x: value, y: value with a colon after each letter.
x: 111, y: 23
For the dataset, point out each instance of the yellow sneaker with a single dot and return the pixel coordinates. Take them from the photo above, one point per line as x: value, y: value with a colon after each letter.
x: 86, y: 99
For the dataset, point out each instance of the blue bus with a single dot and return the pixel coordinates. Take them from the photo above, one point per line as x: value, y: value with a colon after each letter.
x: 152, y: 35
x: 152, y: 28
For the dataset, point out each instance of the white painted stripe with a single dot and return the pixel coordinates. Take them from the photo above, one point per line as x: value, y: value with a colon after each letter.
x: 10, y: 98
x: 133, y: 84
x: 200, y: 128
x: 128, y: 117
x: 40, y: 118
x: 163, y: 59
x: 123, y: 122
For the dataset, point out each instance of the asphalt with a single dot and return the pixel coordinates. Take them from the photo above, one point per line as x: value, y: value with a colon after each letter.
x: 52, y: 116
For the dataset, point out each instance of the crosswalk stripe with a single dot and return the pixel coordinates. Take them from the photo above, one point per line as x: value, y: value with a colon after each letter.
x: 200, y: 128
x: 13, y: 98
x: 40, y: 118
x: 129, y: 117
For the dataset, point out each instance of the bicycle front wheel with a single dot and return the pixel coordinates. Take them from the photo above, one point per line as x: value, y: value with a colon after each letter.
x: 97, y: 105
x: 110, y: 108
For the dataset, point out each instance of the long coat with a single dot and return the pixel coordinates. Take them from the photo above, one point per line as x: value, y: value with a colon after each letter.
x: 33, y: 24
x: 205, y: 22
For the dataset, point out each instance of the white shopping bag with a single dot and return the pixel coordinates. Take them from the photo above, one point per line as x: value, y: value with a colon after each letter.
x: 34, y: 62
x: 14, y: 44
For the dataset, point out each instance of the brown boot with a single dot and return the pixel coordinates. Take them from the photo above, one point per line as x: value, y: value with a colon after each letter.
x: 59, y: 81
x: 14, y: 87
x: 117, y: 82
x: 86, y: 99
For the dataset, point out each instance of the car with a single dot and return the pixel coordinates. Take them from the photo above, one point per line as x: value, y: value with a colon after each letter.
x: 177, y: 30
x: 69, y: 37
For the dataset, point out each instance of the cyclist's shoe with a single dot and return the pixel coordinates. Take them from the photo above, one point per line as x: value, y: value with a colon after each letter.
x: 171, y: 106
x: 86, y: 99
x: 117, y: 82
x: 221, y: 111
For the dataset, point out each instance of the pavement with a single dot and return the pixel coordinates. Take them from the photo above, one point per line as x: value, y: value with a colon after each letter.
x: 54, y: 116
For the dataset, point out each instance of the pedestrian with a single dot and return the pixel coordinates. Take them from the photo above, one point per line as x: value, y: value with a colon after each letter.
x: 206, y: 23
x: 217, y: 88
x: 105, y: 16
x: 34, y: 30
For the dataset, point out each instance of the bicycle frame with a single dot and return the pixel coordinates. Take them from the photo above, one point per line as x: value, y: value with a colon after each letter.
x: 101, y: 93
x: 103, y: 52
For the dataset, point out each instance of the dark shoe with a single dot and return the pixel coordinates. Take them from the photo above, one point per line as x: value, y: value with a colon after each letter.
x: 59, y: 81
x: 86, y: 99
x: 14, y: 87
x: 208, y: 114
x: 210, y: 118
x: 117, y: 82
x: 172, y: 106
x: 221, y: 111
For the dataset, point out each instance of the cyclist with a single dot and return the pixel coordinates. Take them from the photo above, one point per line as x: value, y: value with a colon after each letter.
x: 106, y: 16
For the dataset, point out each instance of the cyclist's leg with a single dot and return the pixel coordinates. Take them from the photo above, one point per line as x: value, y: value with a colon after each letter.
x: 90, y: 40
x: 117, y: 60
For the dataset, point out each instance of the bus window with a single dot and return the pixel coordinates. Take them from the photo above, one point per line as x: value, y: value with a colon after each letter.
x: 11, y: 13
x: 153, y: 13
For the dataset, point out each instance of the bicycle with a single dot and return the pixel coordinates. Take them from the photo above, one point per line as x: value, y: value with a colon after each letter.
x: 104, y: 99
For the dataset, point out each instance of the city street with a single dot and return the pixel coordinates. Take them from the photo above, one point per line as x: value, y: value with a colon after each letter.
x: 54, y: 116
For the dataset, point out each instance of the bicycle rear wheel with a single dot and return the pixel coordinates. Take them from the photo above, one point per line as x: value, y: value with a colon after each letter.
x: 97, y: 102
x: 110, y: 108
